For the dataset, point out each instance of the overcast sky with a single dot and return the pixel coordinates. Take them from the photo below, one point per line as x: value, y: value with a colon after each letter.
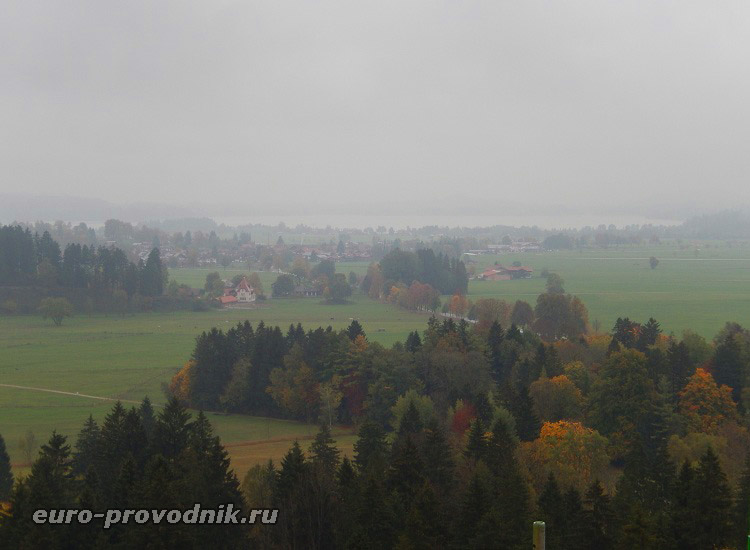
x: 634, y: 107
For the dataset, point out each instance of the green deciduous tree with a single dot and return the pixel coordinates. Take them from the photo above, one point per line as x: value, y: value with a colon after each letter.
x: 56, y: 309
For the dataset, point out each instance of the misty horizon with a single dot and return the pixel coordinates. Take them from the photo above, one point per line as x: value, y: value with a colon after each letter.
x: 575, y: 113
x: 94, y: 212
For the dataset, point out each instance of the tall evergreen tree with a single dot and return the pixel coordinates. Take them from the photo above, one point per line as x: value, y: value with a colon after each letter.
x: 648, y: 335
x: 413, y: 342
x: 685, y: 526
x: 522, y: 408
x: 323, y: 451
x: 148, y: 418
x: 476, y: 501
x: 374, y: 517
x: 6, y: 476
x: 741, y: 519
x: 713, y: 502
x: 370, y: 449
x: 355, y: 329
x: 679, y: 368
x: 411, y: 423
x: 172, y: 429
x: 50, y: 486
x: 88, y: 446
x: 152, y: 275
x: 729, y: 365
x: 476, y: 445
x: 425, y: 524
x: 598, y: 519
x: 512, y: 499
x: 552, y: 511
x: 439, y: 465
x: 573, y: 534
x: 405, y: 474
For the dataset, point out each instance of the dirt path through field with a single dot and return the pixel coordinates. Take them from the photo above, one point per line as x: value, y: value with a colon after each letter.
x: 74, y: 394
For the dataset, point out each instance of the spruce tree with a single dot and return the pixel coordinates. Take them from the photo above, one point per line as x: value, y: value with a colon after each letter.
x: 370, y: 449
x: 439, y: 466
x: 684, y: 528
x: 522, y: 408
x: 355, y: 329
x: 172, y: 429
x: 411, y: 423
x: 512, y: 499
x: 345, y: 475
x: 713, y: 502
x: 323, y: 451
x: 649, y: 335
x: 148, y: 418
x: 679, y: 368
x: 729, y: 365
x: 476, y: 445
x: 413, y: 342
x: 598, y: 520
x: 573, y: 533
x: 50, y: 486
x: 552, y: 511
x: 374, y: 518
x: 425, y: 525
x: 405, y: 476
x: 6, y: 476
x: 87, y: 446
x: 741, y: 522
x: 290, y: 475
x: 475, y: 502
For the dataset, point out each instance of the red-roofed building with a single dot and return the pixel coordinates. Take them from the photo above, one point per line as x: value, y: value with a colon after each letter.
x: 243, y: 293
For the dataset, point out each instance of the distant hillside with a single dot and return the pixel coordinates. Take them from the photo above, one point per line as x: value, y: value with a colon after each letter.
x: 31, y: 208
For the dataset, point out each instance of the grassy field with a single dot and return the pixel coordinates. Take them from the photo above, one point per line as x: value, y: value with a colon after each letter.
x: 128, y: 358
x: 697, y: 289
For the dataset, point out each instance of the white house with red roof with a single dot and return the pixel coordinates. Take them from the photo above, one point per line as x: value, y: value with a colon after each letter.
x: 243, y: 293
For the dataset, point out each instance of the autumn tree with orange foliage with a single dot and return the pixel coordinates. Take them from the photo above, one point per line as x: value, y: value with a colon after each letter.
x: 179, y: 386
x: 706, y: 405
x: 575, y: 454
x: 459, y: 305
x: 488, y: 310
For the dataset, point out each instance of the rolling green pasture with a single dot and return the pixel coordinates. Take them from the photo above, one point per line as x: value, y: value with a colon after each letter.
x: 699, y: 289
x: 129, y: 357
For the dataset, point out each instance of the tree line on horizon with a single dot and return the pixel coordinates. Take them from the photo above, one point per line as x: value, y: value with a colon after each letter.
x: 34, y: 271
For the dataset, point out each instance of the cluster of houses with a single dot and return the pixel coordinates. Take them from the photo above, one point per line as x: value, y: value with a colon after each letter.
x: 243, y: 293
x: 500, y: 273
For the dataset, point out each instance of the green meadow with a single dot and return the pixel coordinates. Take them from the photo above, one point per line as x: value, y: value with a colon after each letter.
x: 696, y: 288
x: 128, y: 357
